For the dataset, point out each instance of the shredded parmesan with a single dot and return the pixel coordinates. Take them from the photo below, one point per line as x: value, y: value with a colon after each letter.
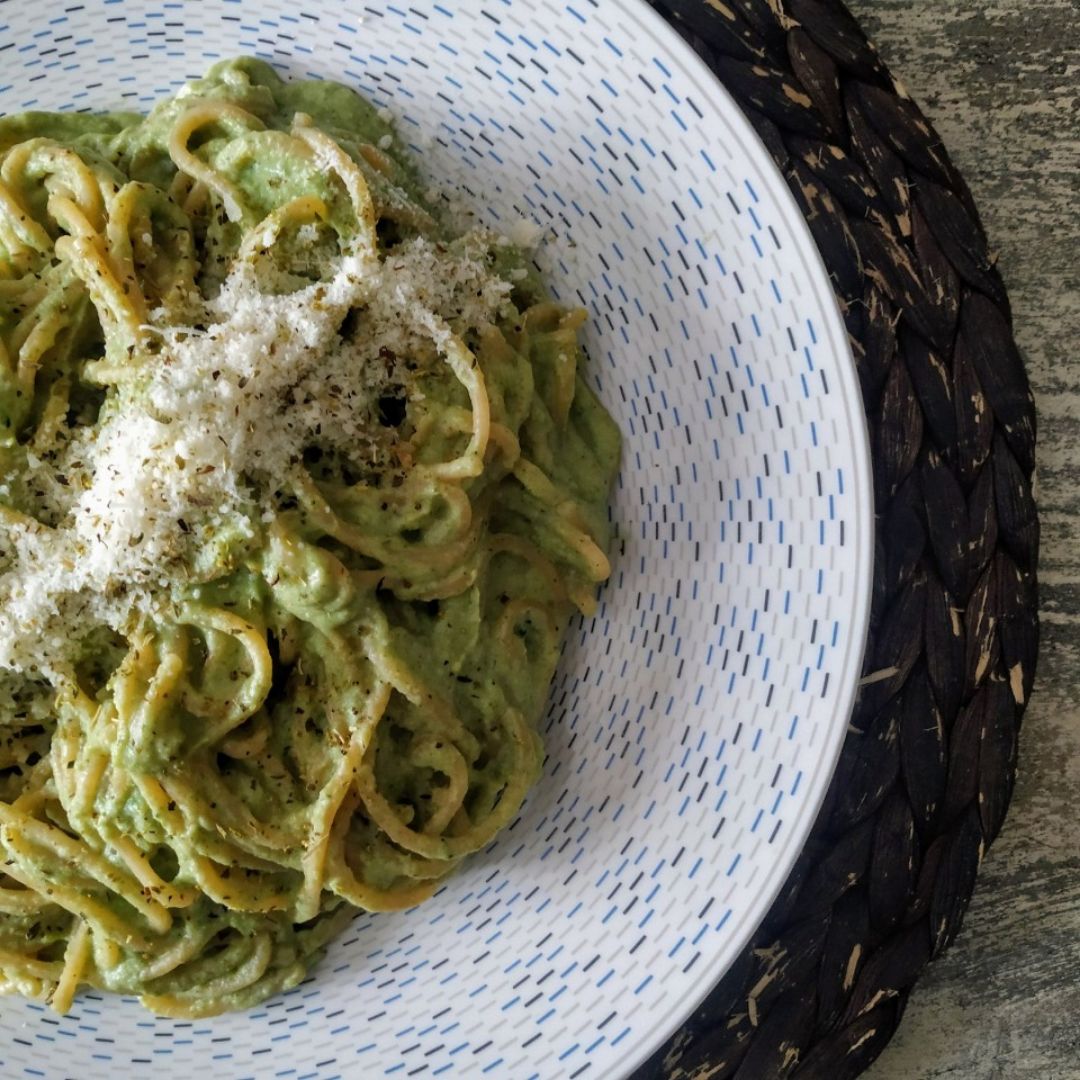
x: 524, y: 234
x: 181, y: 470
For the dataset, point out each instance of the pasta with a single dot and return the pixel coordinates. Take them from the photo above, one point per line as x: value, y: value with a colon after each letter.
x: 300, y: 484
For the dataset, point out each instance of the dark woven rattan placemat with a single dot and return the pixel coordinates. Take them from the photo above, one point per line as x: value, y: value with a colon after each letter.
x: 927, y: 771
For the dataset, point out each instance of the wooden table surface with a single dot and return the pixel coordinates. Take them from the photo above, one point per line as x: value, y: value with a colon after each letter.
x: 1001, y: 81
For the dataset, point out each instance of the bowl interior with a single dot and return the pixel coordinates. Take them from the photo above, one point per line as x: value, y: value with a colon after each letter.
x: 695, y: 720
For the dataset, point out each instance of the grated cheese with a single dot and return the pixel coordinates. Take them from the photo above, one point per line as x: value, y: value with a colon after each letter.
x: 525, y: 233
x: 180, y: 472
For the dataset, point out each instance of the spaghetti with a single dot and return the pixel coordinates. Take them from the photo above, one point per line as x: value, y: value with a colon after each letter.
x: 299, y: 487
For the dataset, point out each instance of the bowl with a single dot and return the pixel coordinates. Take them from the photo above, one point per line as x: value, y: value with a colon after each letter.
x: 695, y: 721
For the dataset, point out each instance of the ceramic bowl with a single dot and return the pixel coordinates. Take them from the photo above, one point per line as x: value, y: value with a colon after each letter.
x: 695, y: 721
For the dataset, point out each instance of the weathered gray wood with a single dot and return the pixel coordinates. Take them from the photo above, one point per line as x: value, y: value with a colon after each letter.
x: 1001, y: 81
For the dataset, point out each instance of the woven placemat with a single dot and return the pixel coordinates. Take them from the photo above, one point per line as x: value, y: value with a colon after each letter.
x: 927, y: 770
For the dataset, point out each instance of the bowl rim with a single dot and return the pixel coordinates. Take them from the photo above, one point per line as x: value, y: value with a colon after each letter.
x: 711, y: 87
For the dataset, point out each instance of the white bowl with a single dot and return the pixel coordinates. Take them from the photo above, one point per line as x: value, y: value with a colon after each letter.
x: 696, y: 720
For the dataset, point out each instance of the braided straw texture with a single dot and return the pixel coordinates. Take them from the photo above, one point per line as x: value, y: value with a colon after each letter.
x: 927, y: 771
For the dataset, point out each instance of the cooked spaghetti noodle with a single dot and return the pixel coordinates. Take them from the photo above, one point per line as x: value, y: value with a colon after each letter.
x: 299, y: 486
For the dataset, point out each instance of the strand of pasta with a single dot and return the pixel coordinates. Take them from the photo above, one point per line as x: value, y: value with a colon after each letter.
x: 75, y: 959
x: 123, y: 316
x: 365, y: 241
x: 19, y: 232
x: 328, y: 804
x: 254, y: 688
x: 203, y: 114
